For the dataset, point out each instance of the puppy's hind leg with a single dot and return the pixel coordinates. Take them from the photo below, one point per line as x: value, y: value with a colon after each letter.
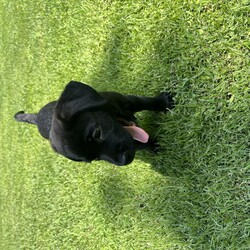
x: 29, y: 118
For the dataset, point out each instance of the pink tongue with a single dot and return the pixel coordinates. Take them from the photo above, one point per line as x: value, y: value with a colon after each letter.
x: 137, y: 133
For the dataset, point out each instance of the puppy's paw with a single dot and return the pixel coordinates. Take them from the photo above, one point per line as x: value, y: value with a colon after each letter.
x: 151, y: 146
x: 166, y: 100
x: 154, y: 145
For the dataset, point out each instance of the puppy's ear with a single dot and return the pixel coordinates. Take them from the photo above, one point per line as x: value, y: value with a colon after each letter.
x: 77, y: 97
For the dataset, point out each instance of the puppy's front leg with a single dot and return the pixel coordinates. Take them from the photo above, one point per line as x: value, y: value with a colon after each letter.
x: 161, y: 102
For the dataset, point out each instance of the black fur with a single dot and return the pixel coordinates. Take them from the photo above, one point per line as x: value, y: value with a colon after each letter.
x: 86, y: 125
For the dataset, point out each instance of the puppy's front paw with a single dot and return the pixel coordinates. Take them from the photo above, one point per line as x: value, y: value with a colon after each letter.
x: 167, y: 101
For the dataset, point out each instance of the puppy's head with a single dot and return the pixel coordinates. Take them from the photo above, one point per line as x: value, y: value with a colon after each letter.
x: 83, y: 130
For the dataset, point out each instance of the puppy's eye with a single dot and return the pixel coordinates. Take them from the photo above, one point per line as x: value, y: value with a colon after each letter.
x: 97, y: 134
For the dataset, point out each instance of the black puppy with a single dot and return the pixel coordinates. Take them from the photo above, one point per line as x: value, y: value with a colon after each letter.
x: 84, y: 125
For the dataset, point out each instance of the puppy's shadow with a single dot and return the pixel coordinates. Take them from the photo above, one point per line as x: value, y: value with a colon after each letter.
x: 170, y: 161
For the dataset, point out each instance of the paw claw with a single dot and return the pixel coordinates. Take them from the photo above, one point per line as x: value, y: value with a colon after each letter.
x: 168, y: 100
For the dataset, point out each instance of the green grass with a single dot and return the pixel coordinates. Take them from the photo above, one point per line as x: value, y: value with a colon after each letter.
x: 195, y: 194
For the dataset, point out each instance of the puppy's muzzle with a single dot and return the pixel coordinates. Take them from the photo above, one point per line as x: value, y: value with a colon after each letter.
x: 122, y: 158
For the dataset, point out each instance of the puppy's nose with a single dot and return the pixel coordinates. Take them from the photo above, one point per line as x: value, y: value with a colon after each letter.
x: 126, y: 157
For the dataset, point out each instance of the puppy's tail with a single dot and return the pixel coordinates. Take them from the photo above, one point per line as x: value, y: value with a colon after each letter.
x: 29, y: 118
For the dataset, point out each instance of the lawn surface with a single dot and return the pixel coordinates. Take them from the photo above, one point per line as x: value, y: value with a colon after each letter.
x: 195, y: 194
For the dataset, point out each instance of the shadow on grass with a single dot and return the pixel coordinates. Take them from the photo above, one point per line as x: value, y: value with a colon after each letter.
x: 173, y: 201
x: 185, y: 199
